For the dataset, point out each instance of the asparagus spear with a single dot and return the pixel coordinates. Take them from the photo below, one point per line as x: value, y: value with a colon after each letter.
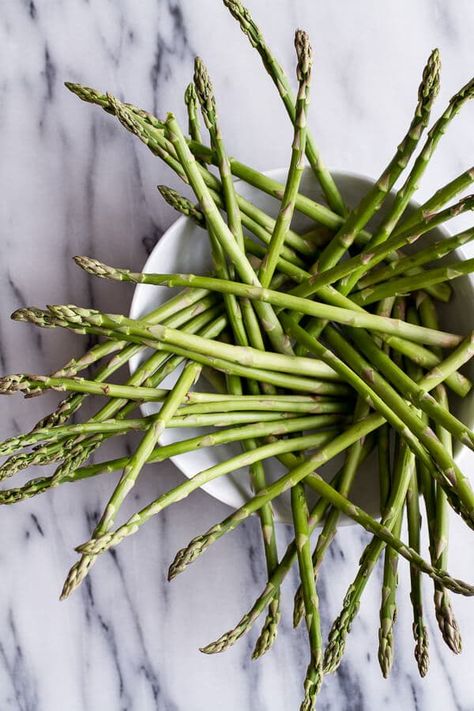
x: 205, y: 416
x: 156, y: 364
x: 295, y: 170
x: 207, y: 101
x: 414, y: 282
x: 443, y: 462
x: 442, y: 196
x: 186, y: 207
x: 371, y: 202
x: 352, y: 459
x: 216, y: 223
x: 406, y: 191
x: 414, y: 524
x: 463, y: 353
x: 285, y: 301
x: 281, y: 362
x: 371, y: 257
x: 408, y: 264
x: 461, y: 494
x: 438, y: 516
x: 132, y: 470
x: 277, y: 378
x: 456, y: 381
x: 276, y: 72
x: 415, y: 392
x: 300, y: 472
x: 404, y: 459
x: 342, y: 625
x: 305, y: 205
x: 388, y: 608
x: 153, y: 136
x: 184, y: 307
x: 314, y: 672
x: 254, y: 425
x: 251, y: 329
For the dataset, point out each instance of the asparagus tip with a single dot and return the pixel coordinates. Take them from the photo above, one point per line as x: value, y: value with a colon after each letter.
x: 94, y: 267
x: 385, y: 653
x: 268, y: 634
x: 33, y: 315
x: 430, y: 82
x: 190, y: 97
x: 204, y: 92
x: 11, y: 384
x: 421, y: 648
x: 304, y: 53
x: 447, y: 622
x: 75, y: 577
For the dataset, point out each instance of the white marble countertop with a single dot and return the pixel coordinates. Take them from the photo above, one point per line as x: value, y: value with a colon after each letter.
x: 72, y: 182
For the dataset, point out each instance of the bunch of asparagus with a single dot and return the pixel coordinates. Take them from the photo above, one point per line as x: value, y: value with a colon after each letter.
x: 315, y: 344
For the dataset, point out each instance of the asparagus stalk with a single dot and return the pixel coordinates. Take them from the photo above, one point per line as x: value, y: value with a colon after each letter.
x: 419, y: 628
x: 404, y: 459
x: 305, y: 205
x: 300, y: 472
x: 416, y: 393
x: 152, y: 134
x: 184, y: 307
x: 279, y: 78
x: 314, y: 672
x: 342, y: 625
x: 351, y: 463
x: 439, y: 198
x: 406, y: 284
x: 295, y: 170
x: 279, y: 379
x: 443, y: 462
x: 251, y: 329
x: 186, y: 207
x: 205, y: 94
x: 373, y: 200
x: 456, y: 359
x: 259, y: 425
x: 409, y: 264
x: 216, y: 223
x: 205, y: 416
x: 414, y: 524
x: 438, y: 515
x: 273, y: 585
x: 132, y: 470
x: 444, y: 614
x: 141, y: 124
x: 156, y: 366
x: 456, y: 381
x: 274, y: 582
x: 285, y: 301
x: 406, y: 191
x: 255, y: 358
x: 369, y: 258
x: 388, y: 608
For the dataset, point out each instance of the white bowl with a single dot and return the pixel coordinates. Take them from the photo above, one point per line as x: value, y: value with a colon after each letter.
x: 185, y: 248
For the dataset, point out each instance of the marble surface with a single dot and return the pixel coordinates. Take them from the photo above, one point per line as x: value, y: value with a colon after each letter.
x: 72, y: 181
